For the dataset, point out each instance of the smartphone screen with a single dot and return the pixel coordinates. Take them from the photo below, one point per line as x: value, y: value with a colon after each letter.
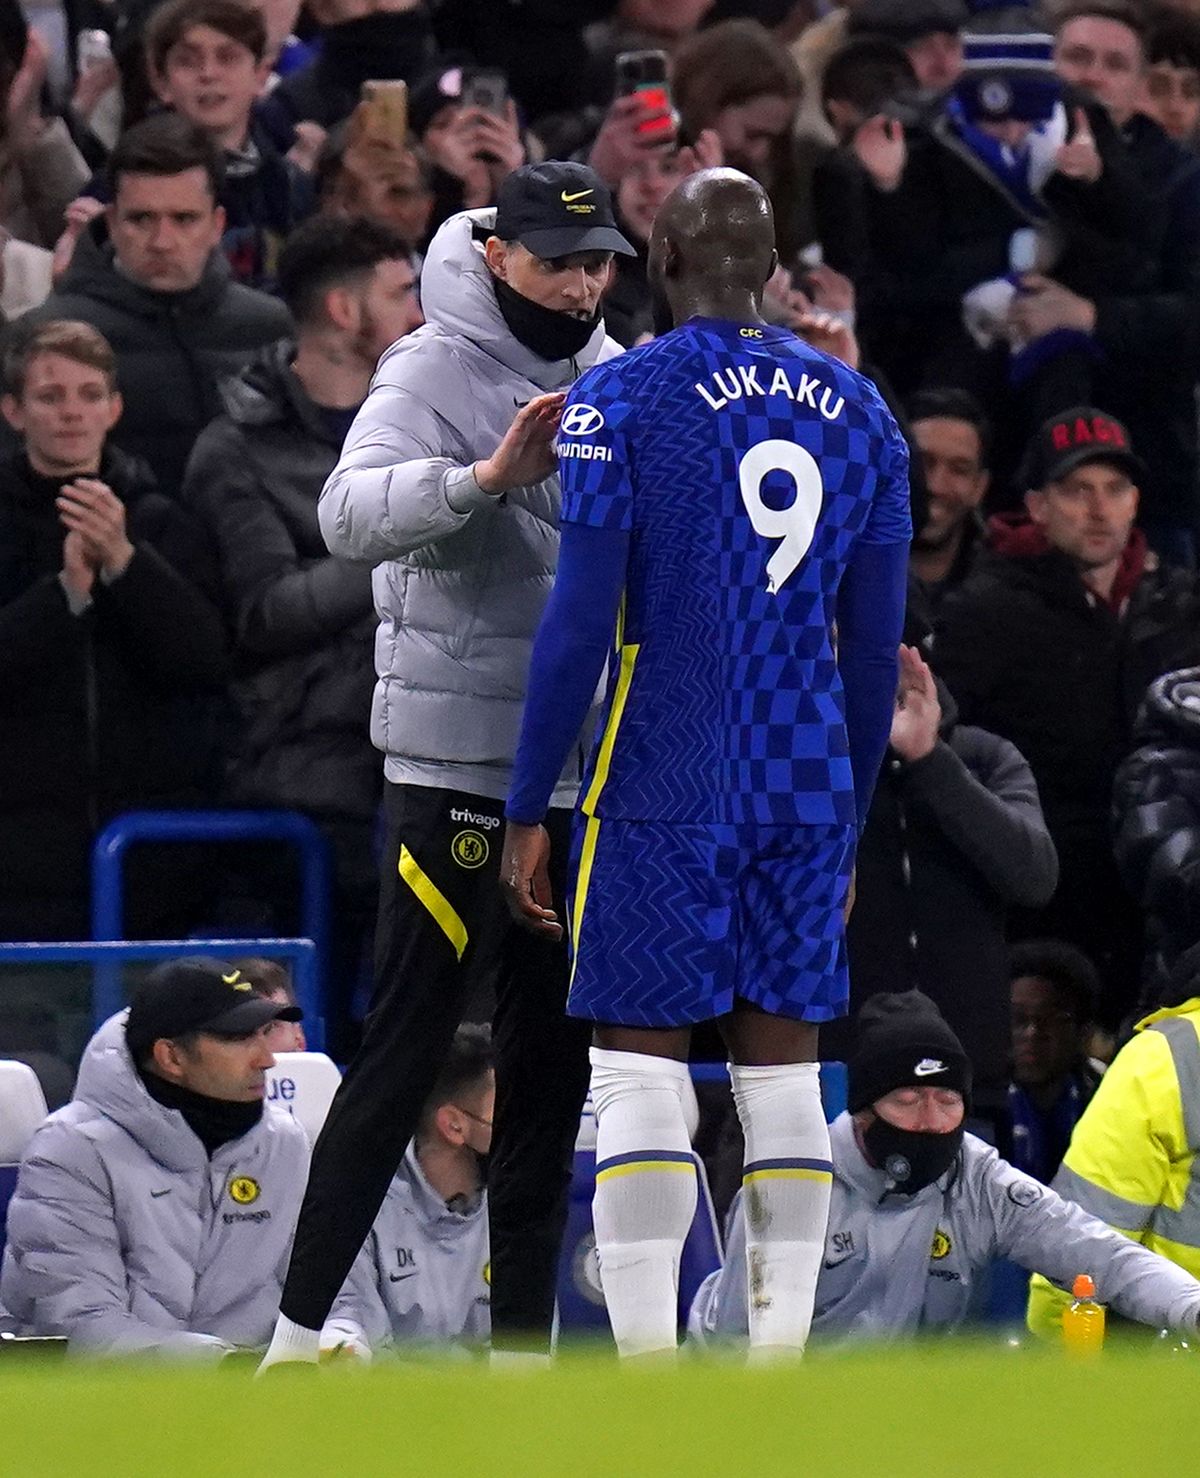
x: 487, y: 91
x: 384, y: 107
x: 644, y: 74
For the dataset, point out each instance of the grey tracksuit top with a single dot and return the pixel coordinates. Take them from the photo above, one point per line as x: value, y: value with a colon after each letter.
x: 125, y: 1236
x: 422, y: 1275
x: 897, y: 1264
x: 461, y: 578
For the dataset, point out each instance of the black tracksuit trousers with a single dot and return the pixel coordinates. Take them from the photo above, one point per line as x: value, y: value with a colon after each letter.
x: 442, y: 926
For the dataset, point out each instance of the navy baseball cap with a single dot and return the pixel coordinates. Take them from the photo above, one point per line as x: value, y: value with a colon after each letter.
x: 556, y: 208
x: 198, y: 994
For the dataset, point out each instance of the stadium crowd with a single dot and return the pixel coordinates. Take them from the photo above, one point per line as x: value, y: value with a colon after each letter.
x: 222, y: 225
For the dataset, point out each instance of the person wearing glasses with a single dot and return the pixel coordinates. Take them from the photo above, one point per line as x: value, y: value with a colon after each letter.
x: 423, y: 1276
x: 1053, y: 992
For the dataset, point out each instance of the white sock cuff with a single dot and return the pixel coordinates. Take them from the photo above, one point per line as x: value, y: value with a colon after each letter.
x: 778, y: 1075
x: 636, y: 1064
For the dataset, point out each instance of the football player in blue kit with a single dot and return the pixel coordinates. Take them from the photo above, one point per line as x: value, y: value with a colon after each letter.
x: 736, y: 509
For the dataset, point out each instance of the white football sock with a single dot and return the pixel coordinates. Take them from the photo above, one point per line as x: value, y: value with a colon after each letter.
x: 786, y: 1188
x: 645, y: 1194
x: 291, y: 1344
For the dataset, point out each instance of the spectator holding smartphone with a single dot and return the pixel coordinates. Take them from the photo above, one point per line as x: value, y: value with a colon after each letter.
x: 467, y: 126
x: 208, y: 63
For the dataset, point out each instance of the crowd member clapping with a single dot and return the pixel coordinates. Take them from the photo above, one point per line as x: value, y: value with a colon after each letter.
x: 107, y: 636
x: 954, y: 839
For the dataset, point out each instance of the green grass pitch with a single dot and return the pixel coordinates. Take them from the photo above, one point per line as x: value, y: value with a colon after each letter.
x: 947, y: 1410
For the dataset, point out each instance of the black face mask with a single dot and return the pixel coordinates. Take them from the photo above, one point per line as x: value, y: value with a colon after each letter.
x: 543, y: 331
x: 909, y: 1158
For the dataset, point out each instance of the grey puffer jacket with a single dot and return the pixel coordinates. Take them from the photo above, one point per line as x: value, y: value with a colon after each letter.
x: 895, y: 1265
x: 462, y: 577
x: 123, y: 1234
x: 423, y: 1275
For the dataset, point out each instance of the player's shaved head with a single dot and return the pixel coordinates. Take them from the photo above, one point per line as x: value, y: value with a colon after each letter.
x: 713, y: 243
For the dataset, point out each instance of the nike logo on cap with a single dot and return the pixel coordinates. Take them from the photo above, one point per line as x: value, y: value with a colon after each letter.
x: 928, y: 1066
x: 578, y: 195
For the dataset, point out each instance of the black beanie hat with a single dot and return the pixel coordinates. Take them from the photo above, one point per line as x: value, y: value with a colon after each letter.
x: 903, y: 1041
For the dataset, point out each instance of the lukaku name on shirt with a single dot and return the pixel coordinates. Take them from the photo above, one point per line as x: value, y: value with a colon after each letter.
x: 741, y: 380
x: 746, y: 469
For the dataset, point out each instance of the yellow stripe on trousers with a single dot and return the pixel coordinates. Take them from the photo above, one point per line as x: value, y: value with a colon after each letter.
x: 434, y: 900
x: 587, y: 855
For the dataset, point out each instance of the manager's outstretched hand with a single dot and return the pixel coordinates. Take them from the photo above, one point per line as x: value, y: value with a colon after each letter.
x: 525, y: 879
x: 526, y: 455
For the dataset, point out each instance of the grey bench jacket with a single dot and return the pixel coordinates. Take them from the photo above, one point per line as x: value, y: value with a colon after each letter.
x: 125, y: 1237
x: 897, y: 1264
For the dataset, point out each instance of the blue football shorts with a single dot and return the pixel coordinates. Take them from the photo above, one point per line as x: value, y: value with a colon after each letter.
x: 670, y: 923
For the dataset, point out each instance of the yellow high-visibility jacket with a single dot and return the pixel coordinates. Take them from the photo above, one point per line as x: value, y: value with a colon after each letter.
x: 1134, y: 1158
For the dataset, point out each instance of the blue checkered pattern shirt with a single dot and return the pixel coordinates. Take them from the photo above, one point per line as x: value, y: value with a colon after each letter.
x: 746, y: 469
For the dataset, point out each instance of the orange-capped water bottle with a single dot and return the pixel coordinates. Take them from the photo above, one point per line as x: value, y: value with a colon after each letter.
x: 1083, y: 1321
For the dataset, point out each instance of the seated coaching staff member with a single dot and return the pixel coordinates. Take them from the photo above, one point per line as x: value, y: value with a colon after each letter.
x: 154, y: 1214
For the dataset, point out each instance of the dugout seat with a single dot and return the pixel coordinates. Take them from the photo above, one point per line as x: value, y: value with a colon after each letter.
x: 22, y: 1109
x: 304, y: 1083
x: 580, y: 1301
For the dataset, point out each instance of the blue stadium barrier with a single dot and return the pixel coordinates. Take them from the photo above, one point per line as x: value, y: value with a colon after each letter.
x: 134, y: 827
x: 107, y: 956
x: 835, y: 1090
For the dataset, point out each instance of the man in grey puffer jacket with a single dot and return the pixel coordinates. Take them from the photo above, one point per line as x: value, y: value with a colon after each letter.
x: 448, y: 485
x: 921, y: 1209
x: 154, y: 1214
